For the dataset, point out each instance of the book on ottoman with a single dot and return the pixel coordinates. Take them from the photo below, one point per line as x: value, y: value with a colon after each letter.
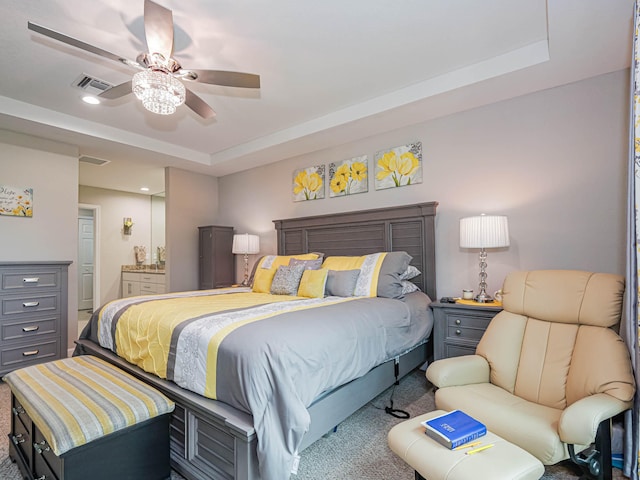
x: 454, y: 429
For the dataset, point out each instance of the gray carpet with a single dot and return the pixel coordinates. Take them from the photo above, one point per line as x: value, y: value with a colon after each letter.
x: 357, y: 450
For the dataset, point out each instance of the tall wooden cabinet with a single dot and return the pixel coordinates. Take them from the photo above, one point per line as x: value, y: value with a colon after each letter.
x: 33, y: 313
x: 216, y: 263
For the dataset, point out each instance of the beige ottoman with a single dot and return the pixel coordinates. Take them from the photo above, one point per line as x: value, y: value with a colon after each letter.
x: 432, y: 461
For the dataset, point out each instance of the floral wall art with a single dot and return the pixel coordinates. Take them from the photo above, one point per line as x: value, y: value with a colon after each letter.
x: 308, y: 183
x: 16, y: 201
x: 399, y: 166
x: 349, y: 177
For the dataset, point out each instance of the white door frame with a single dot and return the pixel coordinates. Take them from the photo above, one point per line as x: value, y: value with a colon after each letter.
x: 96, y: 251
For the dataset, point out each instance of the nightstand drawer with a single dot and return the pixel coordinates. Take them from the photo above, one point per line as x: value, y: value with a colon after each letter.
x: 452, y: 350
x: 468, y: 321
x: 467, y: 333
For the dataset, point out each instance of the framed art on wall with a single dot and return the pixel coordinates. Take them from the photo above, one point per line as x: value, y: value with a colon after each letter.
x: 398, y: 166
x: 349, y: 177
x: 16, y: 201
x: 308, y: 183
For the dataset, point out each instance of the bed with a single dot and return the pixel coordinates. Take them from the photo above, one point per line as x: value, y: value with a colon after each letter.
x: 213, y: 434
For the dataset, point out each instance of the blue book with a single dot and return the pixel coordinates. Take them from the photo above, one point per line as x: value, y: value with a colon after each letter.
x: 454, y: 429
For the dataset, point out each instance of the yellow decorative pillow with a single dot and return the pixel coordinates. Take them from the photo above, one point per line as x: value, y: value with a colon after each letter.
x: 262, y: 280
x: 313, y: 283
x: 343, y: 263
x: 379, y: 272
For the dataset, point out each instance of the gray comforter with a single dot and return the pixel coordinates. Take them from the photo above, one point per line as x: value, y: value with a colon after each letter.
x: 275, y: 367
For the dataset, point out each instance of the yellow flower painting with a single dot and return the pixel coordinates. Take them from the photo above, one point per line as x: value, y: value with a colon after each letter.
x: 349, y: 177
x: 15, y: 201
x: 399, y: 166
x: 308, y: 184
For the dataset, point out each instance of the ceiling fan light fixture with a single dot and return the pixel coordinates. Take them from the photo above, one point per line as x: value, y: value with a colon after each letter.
x: 159, y: 92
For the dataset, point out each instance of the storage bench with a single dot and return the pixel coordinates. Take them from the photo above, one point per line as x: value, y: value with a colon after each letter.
x: 80, y: 418
x: 432, y: 461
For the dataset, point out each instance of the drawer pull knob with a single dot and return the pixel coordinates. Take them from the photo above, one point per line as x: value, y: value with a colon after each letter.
x: 458, y: 331
x: 17, y: 411
x: 33, y: 328
x: 30, y: 304
x: 458, y: 322
x: 31, y: 280
x: 41, y: 447
x: 30, y: 353
x: 17, y: 439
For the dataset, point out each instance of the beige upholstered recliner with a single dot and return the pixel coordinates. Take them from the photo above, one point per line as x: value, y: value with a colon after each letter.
x: 550, y: 371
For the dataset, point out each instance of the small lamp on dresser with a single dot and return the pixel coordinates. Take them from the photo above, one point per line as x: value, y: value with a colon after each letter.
x: 484, y: 231
x: 245, y: 244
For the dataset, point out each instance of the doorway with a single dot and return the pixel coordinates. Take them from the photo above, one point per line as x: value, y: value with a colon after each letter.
x: 88, y: 262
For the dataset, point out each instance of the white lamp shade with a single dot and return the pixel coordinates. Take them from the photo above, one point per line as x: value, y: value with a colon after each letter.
x: 484, y: 231
x: 246, y: 244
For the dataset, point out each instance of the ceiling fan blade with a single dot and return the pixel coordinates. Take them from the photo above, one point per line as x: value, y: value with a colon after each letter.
x: 117, y: 91
x: 224, y: 78
x: 61, y: 37
x: 158, y: 29
x: 198, y: 105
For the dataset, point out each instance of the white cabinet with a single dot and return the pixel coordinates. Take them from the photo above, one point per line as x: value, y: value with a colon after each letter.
x: 142, y: 283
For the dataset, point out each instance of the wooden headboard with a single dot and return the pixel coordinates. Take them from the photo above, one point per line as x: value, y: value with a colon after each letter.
x: 409, y: 228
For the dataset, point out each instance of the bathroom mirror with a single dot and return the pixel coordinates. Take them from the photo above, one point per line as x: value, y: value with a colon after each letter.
x: 157, y: 227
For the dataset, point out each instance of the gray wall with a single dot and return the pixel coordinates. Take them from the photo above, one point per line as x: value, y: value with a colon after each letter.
x: 51, y: 169
x: 191, y: 201
x: 553, y: 161
x: 116, y: 248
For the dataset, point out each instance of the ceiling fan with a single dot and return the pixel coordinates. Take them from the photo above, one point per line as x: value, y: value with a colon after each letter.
x: 158, y: 83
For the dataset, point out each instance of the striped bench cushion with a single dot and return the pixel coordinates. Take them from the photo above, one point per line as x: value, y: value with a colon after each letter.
x: 76, y: 400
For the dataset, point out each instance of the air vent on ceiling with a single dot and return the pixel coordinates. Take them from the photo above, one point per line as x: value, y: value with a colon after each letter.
x: 93, y: 160
x: 91, y: 84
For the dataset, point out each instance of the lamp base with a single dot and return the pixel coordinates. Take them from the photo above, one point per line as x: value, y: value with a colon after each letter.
x: 245, y: 282
x: 483, y: 298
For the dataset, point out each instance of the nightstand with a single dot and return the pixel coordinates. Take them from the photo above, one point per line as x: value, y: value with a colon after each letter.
x: 458, y: 328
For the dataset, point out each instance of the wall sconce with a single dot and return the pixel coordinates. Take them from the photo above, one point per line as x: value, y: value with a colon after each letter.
x: 127, y: 223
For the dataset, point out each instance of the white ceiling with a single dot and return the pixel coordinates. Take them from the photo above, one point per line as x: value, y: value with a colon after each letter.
x: 332, y: 71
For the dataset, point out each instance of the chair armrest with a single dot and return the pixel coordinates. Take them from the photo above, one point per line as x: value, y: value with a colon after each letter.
x: 464, y: 370
x: 579, y: 421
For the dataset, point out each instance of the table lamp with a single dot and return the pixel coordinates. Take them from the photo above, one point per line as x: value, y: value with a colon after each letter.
x: 245, y: 244
x: 484, y: 231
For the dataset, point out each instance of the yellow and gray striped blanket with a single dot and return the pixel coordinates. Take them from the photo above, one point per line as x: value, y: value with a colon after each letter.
x: 267, y: 355
x: 76, y: 400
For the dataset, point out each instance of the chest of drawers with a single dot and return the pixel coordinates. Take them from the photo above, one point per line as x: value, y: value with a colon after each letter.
x: 33, y: 313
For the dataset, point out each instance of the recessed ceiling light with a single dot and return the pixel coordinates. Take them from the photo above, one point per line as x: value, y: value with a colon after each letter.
x: 144, y: 189
x: 90, y: 100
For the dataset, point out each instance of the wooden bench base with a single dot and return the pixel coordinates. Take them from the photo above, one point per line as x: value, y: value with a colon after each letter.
x: 139, y: 451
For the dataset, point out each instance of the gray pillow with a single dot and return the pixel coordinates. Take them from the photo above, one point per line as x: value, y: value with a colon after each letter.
x: 341, y: 283
x: 393, y: 265
x: 308, y: 264
x: 286, y: 280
